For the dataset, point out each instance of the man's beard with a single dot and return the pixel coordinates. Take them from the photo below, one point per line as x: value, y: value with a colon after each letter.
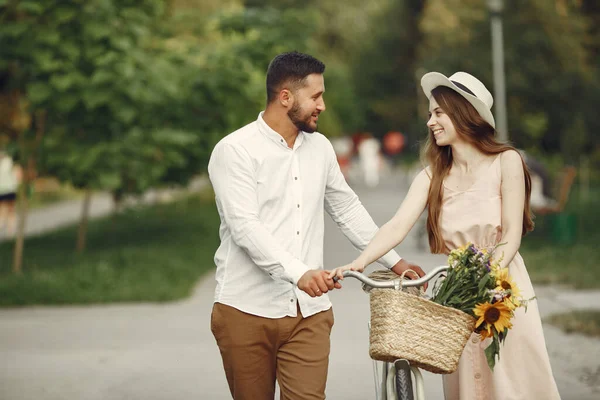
x: 295, y: 115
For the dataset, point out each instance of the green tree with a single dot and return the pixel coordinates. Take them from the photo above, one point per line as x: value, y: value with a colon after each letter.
x: 91, y: 75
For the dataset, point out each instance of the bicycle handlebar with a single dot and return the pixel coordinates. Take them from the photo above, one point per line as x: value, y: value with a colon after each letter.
x: 396, y: 282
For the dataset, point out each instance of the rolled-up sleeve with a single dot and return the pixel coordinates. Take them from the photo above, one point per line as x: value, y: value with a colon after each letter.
x: 345, y: 208
x: 231, y: 173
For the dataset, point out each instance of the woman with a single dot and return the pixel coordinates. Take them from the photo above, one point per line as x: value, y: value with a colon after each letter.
x: 476, y: 190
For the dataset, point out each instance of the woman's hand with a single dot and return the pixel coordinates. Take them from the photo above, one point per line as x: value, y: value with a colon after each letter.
x: 339, y: 271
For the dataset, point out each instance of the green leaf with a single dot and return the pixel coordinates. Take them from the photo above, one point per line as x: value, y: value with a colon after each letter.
x: 95, y: 98
x: 64, y: 15
x: 46, y: 61
x: 484, y: 281
x: 107, y: 58
x: 62, y: 82
x: 31, y: 7
x: 121, y: 43
x: 70, y: 50
x: 490, y: 354
x: 126, y: 69
x: 97, y: 30
x: 126, y: 114
x: 51, y: 38
x: 13, y: 29
x: 38, y: 92
x: 102, y: 76
x: 67, y: 103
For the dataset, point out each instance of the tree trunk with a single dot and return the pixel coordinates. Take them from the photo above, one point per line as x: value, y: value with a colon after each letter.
x: 83, y: 223
x: 28, y: 163
x: 118, y: 199
x: 23, y: 208
x: 20, y: 234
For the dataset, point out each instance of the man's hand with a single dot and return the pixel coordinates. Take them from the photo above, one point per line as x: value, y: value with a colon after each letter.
x: 315, y: 282
x: 404, y: 265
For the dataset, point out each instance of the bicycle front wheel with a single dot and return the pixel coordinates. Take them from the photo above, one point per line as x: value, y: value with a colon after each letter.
x: 403, y: 380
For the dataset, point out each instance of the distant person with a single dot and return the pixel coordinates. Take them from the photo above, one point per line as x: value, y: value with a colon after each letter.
x: 369, y: 158
x: 9, y: 183
x: 476, y: 190
x: 273, y: 181
x: 343, y: 151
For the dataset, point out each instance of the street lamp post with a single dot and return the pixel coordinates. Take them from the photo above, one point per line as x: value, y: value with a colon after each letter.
x: 496, y: 7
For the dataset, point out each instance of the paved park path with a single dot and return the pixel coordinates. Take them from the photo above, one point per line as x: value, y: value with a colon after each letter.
x: 166, y: 351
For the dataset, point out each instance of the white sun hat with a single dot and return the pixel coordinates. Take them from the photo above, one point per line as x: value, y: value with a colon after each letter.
x: 467, y: 86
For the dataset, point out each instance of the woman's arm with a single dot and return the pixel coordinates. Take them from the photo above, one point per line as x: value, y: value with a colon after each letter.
x: 513, y: 204
x: 396, y: 229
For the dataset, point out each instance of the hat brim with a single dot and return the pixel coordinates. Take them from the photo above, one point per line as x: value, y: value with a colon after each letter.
x: 431, y: 80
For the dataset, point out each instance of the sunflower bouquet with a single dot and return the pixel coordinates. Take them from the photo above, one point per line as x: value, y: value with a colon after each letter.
x: 476, y: 285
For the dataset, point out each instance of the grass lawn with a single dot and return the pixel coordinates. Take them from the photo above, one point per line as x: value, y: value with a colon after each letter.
x: 584, y: 322
x: 153, y: 254
x: 576, y: 264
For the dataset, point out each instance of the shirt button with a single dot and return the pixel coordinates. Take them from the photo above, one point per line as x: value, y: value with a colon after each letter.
x: 291, y: 300
x: 478, y: 376
x: 298, y: 205
x: 298, y: 232
x: 295, y: 178
x: 474, y: 340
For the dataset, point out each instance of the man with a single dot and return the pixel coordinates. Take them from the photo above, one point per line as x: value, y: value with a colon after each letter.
x: 273, y: 179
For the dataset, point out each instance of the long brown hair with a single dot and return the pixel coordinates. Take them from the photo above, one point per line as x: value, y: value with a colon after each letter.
x: 471, y: 128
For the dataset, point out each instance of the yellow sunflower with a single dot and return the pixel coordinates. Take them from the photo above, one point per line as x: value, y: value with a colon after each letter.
x: 495, y: 315
x: 504, y: 282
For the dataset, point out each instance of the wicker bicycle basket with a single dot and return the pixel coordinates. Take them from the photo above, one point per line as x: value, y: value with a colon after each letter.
x: 404, y: 325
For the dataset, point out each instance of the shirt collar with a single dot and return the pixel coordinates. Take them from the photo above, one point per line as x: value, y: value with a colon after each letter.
x: 274, y: 136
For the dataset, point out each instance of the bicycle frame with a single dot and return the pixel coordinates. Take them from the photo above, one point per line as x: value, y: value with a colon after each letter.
x: 387, y: 381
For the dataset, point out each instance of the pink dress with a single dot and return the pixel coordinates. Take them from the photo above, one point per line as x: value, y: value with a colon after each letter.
x: 523, y: 371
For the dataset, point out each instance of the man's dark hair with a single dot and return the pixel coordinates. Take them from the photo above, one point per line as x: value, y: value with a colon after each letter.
x: 292, y: 69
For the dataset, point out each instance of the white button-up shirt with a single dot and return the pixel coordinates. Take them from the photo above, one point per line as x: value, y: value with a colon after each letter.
x: 271, y: 200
